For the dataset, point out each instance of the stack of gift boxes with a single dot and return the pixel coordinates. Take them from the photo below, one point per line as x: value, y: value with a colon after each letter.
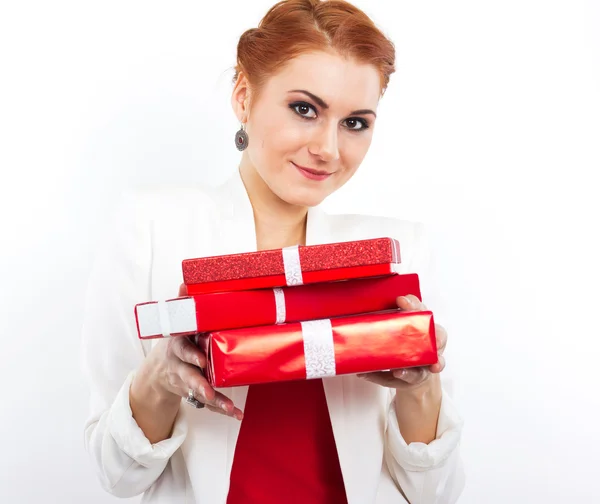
x: 297, y: 313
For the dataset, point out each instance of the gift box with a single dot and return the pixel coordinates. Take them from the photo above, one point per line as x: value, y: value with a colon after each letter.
x: 292, y: 266
x: 189, y: 315
x: 319, y: 348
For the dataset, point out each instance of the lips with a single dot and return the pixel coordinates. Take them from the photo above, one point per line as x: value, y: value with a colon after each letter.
x: 312, y: 170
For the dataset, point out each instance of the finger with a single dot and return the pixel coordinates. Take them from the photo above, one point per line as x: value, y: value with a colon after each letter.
x: 238, y: 414
x: 214, y: 409
x: 439, y: 366
x: 384, y: 378
x: 441, y: 337
x: 182, y: 290
x: 412, y: 376
x: 223, y: 405
x: 410, y: 303
x: 187, y: 351
x: 227, y: 407
x: 193, y: 378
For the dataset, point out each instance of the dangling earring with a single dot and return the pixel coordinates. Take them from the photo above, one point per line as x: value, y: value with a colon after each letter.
x: 241, y: 139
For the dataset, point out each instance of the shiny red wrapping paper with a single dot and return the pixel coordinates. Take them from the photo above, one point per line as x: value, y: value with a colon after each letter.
x: 237, y: 309
x: 361, y: 343
x: 268, y: 269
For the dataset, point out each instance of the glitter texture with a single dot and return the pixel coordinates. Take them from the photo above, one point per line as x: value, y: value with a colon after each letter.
x: 270, y: 262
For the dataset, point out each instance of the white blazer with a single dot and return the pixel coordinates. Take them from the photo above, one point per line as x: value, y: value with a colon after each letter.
x: 155, y: 229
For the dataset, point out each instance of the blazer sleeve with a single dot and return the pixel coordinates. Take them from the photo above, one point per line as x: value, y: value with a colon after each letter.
x: 125, y: 461
x: 427, y: 473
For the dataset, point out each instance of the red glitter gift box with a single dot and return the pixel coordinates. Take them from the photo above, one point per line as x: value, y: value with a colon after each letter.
x: 189, y: 315
x: 292, y: 266
x: 319, y: 348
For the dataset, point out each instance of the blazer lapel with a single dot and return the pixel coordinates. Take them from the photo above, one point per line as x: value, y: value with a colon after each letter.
x: 238, y: 235
x: 236, y: 231
x: 210, y: 432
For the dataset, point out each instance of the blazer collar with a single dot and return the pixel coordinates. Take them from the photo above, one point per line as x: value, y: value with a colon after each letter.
x: 238, y: 233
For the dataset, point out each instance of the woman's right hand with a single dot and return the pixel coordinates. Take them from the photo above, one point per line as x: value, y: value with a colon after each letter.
x: 174, y: 367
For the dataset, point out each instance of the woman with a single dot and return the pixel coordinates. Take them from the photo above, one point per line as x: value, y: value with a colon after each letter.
x: 307, y: 85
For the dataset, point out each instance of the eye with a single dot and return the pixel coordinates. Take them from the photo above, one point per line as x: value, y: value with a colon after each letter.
x: 353, y: 122
x: 303, y: 109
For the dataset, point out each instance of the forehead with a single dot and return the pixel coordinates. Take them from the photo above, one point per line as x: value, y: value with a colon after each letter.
x: 337, y: 80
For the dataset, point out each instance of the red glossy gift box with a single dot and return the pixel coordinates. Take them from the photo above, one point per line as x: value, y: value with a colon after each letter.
x: 189, y: 315
x: 319, y: 348
x: 292, y: 266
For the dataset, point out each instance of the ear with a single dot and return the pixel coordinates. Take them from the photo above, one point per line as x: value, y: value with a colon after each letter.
x: 240, y: 98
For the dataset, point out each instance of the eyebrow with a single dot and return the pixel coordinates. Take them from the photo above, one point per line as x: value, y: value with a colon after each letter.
x: 322, y: 104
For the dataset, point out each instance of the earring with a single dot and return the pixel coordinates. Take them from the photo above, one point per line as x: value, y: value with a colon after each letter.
x: 241, y: 139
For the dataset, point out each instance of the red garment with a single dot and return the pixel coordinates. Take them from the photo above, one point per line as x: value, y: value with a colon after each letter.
x: 286, y: 450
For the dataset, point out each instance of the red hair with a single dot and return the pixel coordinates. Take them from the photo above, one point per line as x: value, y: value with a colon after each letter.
x: 293, y: 27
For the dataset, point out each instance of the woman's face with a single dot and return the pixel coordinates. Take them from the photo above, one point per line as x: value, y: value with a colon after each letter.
x: 311, y: 125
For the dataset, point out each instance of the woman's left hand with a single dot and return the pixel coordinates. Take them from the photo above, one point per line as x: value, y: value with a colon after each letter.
x: 403, y: 379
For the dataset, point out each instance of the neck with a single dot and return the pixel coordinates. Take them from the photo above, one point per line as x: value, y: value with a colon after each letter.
x: 278, y: 224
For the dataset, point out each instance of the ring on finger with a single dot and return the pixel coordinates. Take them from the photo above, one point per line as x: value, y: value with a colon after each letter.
x: 190, y: 399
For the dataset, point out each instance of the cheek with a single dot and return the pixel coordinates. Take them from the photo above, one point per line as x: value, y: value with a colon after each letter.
x: 353, y: 152
x: 276, y: 139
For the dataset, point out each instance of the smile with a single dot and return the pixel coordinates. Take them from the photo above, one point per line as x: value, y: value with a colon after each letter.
x: 312, y: 174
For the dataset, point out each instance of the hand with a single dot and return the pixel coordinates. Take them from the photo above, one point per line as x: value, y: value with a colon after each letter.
x: 176, y: 365
x: 411, y: 378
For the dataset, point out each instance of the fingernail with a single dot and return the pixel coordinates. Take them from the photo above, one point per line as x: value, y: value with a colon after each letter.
x: 224, y: 407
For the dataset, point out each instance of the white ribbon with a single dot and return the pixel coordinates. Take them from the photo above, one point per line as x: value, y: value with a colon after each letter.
x: 279, y: 305
x: 163, y: 318
x: 396, y: 247
x: 291, y: 265
x: 319, y: 351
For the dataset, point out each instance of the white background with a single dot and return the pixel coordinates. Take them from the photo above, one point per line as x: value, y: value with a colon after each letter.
x: 489, y: 133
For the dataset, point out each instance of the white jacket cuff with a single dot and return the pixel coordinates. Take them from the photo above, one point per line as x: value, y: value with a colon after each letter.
x: 131, y: 439
x: 418, y: 456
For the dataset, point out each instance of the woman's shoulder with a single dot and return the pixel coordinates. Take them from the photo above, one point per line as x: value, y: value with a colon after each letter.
x: 160, y: 201
x: 140, y: 205
x: 411, y: 235
x: 366, y: 226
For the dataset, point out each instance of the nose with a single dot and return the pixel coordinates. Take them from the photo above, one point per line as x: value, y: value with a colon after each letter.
x: 324, y: 143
